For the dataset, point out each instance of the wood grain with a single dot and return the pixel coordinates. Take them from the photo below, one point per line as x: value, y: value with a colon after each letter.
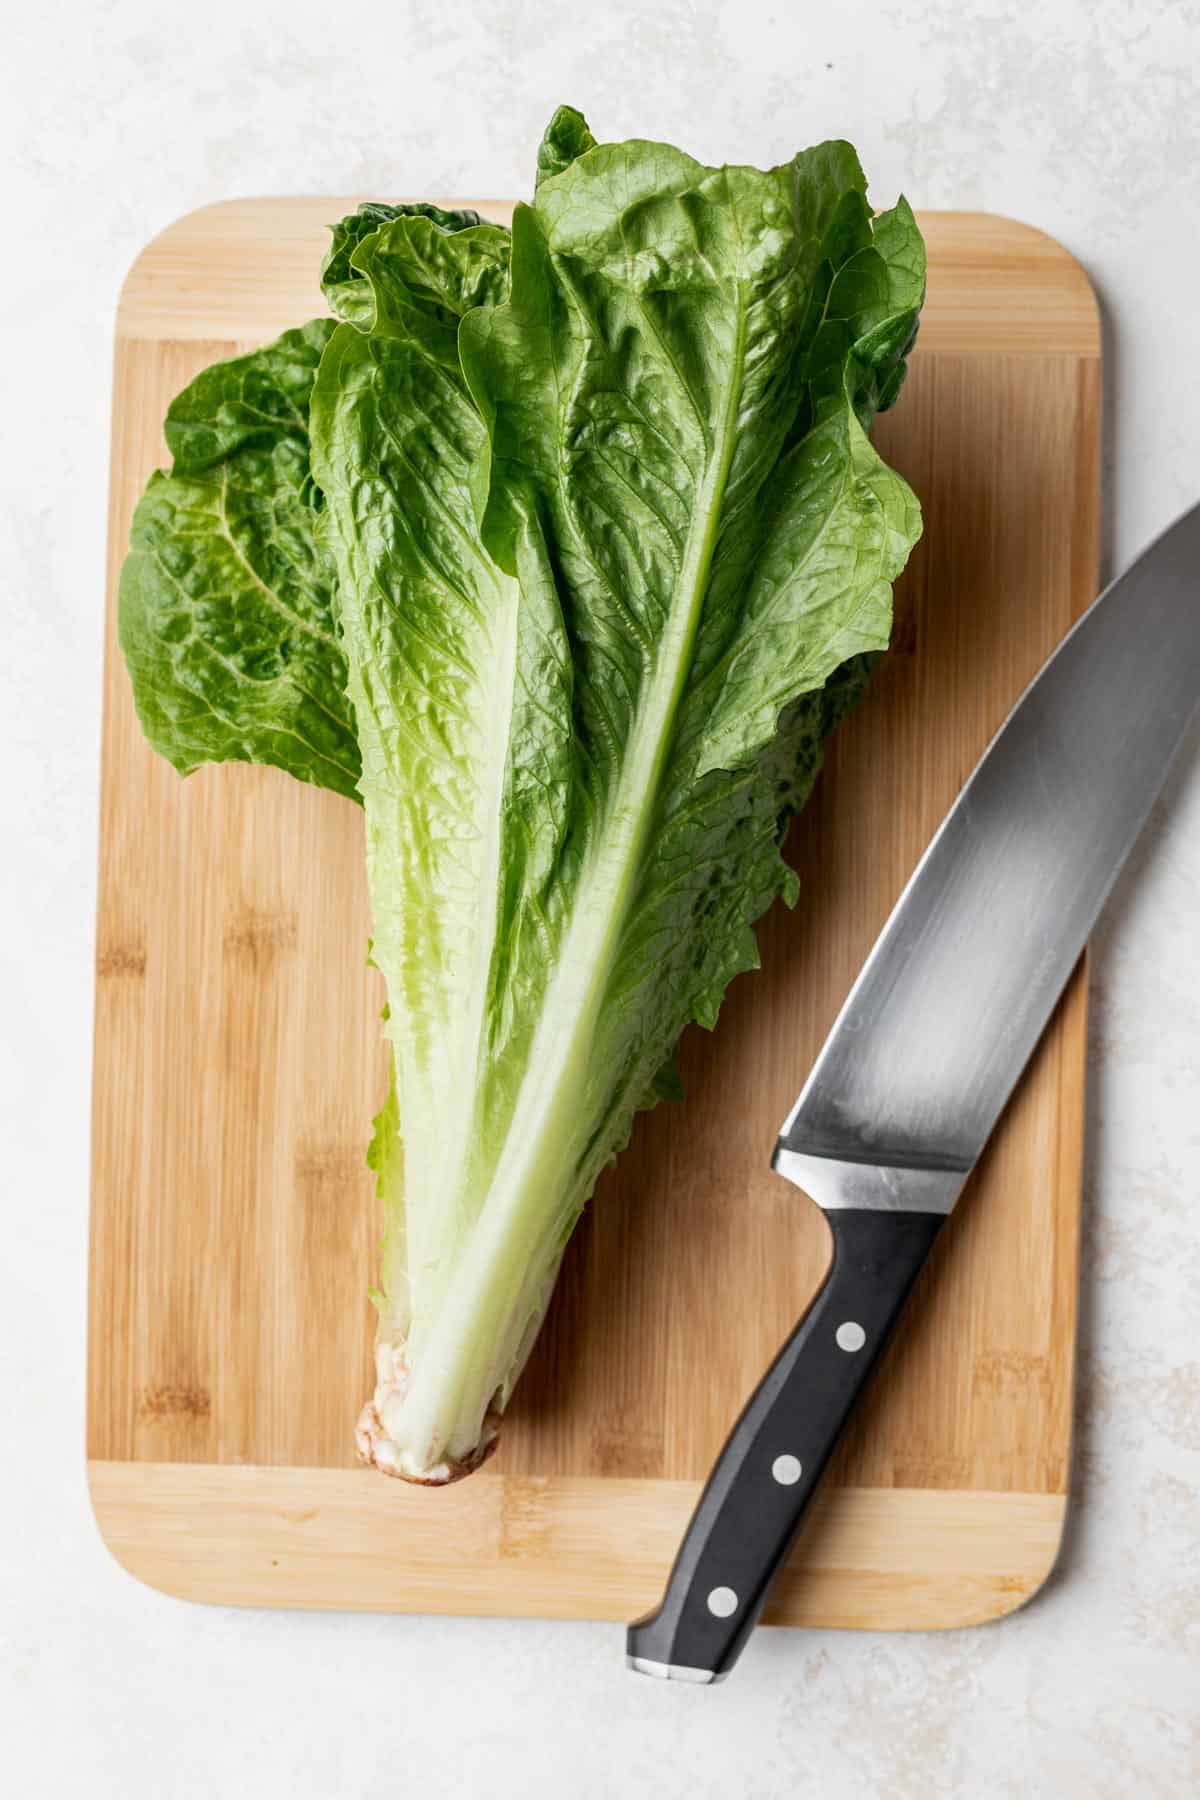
x: 237, y: 1065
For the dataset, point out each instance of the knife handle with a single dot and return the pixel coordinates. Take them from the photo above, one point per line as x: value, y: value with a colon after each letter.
x: 764, y: 1478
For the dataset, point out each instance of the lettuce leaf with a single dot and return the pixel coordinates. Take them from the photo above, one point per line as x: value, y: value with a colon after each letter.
x: 226, y: 603
x: 346, y: 290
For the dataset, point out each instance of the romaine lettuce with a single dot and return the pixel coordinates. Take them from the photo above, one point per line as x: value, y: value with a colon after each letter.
x: 603, y: 551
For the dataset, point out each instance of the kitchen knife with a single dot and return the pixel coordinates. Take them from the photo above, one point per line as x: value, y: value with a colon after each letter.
x: 925, y: 1053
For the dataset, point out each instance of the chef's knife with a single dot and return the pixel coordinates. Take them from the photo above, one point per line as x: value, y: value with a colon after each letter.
x: 925, y: 1053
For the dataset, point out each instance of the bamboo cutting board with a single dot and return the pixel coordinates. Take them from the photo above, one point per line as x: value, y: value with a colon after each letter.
x: 238, y: 1063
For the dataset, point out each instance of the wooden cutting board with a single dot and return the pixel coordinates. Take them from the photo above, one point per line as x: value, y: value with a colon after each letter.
x: 238, y: 1062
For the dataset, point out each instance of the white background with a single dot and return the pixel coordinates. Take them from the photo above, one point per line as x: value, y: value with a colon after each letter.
x: 1081, y: 116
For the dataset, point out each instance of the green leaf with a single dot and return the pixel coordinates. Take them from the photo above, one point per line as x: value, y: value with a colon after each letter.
x: 419, y: 278
x: 430, y: 626
x: 567, y: 138
x: 226, y: 610
x: 345, y: 290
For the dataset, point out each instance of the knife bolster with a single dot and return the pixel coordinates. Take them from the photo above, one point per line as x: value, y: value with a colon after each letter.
x: 836, y: 1184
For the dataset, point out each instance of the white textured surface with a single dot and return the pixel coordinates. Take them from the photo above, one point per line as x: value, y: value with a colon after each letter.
x: 1081, y: 116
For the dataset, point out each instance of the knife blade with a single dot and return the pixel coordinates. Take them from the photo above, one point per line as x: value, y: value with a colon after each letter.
x: 925, y: 1053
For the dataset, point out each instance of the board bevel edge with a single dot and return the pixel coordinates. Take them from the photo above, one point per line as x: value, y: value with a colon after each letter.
x: 556, y: 1547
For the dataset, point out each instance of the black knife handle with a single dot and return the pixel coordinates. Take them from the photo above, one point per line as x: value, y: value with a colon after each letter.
x: 774, y: 1457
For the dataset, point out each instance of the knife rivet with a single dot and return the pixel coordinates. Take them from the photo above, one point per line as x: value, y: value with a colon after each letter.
x: 787, y: 1470
x: 851, y: 1336
x: 722, y: 1603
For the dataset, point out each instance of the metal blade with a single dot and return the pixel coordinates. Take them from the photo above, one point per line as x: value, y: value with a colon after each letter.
x: 967, y: 971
